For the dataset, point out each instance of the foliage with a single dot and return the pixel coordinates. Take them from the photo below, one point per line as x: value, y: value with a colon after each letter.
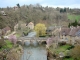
x: 62, y: 43
x: 71, y: 47
x: 62, y: 10
x: 12, y: 55
x: 49, y: 41
x: 75, y: 52
x: 25, y: 32
x: 8, y: 44
x: 35, y: 13
x: 74, y: 24
x: 13, y: 39
x: 27, y: 13
x: 68, y: 59
x: 62, y: 48
x: 40, y: 29
x: 2, y: 43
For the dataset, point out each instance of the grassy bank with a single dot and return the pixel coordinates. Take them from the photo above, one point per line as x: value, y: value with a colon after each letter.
x: 73, y: 17
x: 7, y: 45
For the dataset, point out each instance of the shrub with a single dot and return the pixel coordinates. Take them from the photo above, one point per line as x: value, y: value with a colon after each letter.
x: 13, y: 39
x: 70, y: 47
x: 75, y: 52
x: 2, y: 43
x: 62, y: 43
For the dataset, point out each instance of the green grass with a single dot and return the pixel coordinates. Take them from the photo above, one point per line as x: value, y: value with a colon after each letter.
x: 59, y: 49
x: 62, y: 48
x: 68, y: 59
x: 18, y: 35
x: 9, y: 44
x: 73, y: 17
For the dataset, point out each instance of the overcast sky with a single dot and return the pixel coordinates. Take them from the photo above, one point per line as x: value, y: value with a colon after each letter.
x: 51, y: 3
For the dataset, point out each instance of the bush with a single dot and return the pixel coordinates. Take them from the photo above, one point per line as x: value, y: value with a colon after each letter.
x: 67, y: 56
x: 75, y: 52
x: 70, y: 47
x: 62, y: 43
x: 44, y: 42
x: 2, y: 43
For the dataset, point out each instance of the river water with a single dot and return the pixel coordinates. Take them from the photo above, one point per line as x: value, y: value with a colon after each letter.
x: 34, y: 53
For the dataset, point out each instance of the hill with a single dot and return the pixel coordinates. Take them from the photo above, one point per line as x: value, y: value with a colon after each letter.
x: 36, y: 14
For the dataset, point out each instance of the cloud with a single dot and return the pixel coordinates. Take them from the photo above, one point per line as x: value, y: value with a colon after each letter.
x: 62, y: 6
x: 51, y: 3
x: 5, y: 3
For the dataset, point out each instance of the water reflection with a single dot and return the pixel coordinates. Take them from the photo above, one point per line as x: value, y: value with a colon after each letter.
x: 34, y: 53
x: 27, y: 43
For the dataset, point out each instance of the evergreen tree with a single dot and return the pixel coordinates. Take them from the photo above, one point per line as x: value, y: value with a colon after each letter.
x: 69, y: 25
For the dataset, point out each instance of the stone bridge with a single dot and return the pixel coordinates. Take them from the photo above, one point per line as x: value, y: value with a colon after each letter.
x: 32, y: 39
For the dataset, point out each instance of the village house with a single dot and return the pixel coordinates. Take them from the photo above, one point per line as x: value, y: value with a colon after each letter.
x: 78, y: 31
x: 15, y: 8
x: 23, y: 26
x: 3, y: 13
x: 31, y: 25
x: 49, y: 30
x: 6, y: 30
x: 16, y: 27
x: 72, y: 34
x: 56, y: 31
x: 64, y: 33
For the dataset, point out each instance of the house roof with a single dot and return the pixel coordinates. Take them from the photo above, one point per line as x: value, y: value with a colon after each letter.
x: 50, y: 28
x: 30, y: 23
x: 65, y: 31
x: 6, y: 29
x: 77, y: 33
x: 73, y: 31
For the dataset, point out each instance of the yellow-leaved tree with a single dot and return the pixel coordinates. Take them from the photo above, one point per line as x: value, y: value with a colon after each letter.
x: 40, y: 29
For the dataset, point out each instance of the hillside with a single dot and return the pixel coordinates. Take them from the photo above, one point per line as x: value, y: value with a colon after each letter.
x: 36, y: 13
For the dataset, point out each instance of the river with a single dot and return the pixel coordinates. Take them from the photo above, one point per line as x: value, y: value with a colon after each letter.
x: 34, y: 53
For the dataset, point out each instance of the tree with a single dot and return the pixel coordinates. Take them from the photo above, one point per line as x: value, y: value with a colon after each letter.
x: 18, y: 5
x: 69, y: 25
x: 75, y: 52
x: 2, y: 43
x: 73, y: 24
x: 64, y: 9
x: 13, y: 39
x: 61, y: 10
x: 40, y: 29
x: 49, y: 42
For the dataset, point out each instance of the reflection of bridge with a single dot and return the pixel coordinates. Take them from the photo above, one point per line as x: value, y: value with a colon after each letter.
x: 31, y: 39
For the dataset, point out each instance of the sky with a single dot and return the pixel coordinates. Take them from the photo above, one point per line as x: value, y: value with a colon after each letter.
x: 50, y: 3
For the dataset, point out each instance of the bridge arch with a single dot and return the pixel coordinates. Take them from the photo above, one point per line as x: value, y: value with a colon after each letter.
x: 31, y: 41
